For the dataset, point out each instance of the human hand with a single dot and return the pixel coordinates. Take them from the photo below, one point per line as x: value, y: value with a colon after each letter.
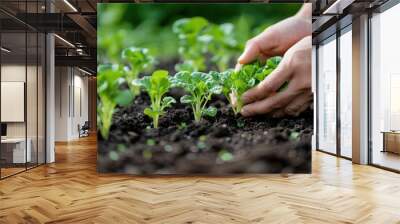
x: 277, y: 39
x: 295, y: 68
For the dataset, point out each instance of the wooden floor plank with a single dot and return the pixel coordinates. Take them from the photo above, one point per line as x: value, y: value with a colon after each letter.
x: 70, y: 191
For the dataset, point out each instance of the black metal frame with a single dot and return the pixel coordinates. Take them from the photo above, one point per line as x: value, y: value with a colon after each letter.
x: 44, y: 80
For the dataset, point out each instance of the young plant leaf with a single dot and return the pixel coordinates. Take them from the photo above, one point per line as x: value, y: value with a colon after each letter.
x: 156, y: 86
x: 138, y: 59
x: 191, y: 47
x: 200, y: 87
x: 210, y: 111
x: 110, y: 94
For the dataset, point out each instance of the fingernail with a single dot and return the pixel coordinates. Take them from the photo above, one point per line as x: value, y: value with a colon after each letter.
x: 238, y: 66
x: 244, y: 112
x: 241, y: 57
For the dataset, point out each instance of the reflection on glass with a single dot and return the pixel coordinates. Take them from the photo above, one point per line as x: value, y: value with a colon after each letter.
x: 385, y: 84
x: 41, y: 99
x: 15, y: 150
x: 31, y: 97
x: 346, y: 94
x: 327, y: 96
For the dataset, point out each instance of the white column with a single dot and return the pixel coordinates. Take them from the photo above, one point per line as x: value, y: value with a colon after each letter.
x: 360, y: 90
x: 50, y: 94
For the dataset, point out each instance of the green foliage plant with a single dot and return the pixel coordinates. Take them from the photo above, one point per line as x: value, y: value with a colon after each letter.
x: 221, y: 44
x: 138, y: 59
x: 110, y: 94
x: 156, y: 86
x: 238, y: 82
x: 200, y: 88
x: 191, y: 49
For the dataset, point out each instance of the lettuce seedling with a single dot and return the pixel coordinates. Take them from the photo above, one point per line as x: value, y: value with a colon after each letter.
x: 156, y: 86
x: 238, y: 82
x: 191, y: 49
x: 221, y: 43
x: 138, y: 59
x: 110, y: 94
x: 200, y: 86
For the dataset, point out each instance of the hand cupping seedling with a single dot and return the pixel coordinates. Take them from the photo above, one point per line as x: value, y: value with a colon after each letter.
x: 235, y: 83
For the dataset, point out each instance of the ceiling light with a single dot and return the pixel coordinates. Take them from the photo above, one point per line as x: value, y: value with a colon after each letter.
x: 5, y: 50
x: 70, y: 5
x: 337, y: 7
x: 84, y: 71
x: 65, y: 41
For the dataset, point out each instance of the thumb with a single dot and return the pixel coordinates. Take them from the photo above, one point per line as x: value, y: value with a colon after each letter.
x: 251, y: 52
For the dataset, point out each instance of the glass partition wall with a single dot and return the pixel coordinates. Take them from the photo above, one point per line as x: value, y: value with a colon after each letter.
x: 22, y: 95
x: 327, y: 95
x: 334, y: 94
x: 346, y: 95
x: 385, y: 89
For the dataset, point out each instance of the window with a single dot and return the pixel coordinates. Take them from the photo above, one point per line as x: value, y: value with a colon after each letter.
x: 22, y: 95
x: 327, y: 96
x: 385, y: 89
x: 346, y: 74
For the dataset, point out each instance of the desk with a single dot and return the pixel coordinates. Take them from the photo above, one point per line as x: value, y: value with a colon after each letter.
x: 18, y: 150
x: 391, y: 141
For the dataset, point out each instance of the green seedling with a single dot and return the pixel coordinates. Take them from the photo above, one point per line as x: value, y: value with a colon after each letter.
x: 121, y: 148
x: 139, y: 59
x: 294, y: 135
x: 147, y: 154
x: 221, y: 43
x: 225, y: 156
x: 150, y: 142
x: 200, y: 88
x: 191, y: 48
x: 235, y: 83
x: 110, y: 94
x: 113, y: 155
x: 182, y: 125
x: 156, y: 86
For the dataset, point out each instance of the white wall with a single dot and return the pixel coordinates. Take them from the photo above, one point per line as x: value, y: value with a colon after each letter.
x: 12, y: 73
x: 70, y: 83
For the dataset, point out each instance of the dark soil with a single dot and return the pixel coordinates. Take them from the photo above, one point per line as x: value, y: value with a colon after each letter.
x: 224, y: 144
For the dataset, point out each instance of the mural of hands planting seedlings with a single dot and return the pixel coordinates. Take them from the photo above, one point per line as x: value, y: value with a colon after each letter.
x: 212, y: 89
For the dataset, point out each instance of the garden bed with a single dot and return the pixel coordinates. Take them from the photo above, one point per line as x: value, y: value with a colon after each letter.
x: 218, y: 145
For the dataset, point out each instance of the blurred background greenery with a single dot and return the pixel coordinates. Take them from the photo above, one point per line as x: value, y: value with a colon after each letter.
x: 122, y: 25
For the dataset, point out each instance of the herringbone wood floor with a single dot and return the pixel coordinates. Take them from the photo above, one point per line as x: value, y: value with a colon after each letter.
x: 70, y: 191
